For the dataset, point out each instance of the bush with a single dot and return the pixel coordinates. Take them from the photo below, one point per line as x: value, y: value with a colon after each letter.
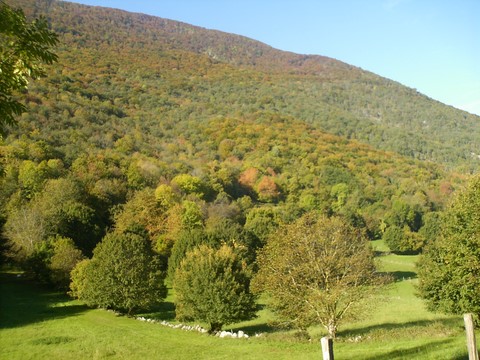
x: 403, y: 240
x: 211, y: 286
x: 124, y: 275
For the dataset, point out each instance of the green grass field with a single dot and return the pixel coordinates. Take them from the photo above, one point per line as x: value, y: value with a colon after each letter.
x: 36, y: 323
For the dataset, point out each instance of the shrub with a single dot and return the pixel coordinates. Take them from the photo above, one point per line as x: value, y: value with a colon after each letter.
x: 211, y: 286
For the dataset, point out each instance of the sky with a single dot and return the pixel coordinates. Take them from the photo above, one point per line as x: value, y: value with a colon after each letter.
x: 430, y: 45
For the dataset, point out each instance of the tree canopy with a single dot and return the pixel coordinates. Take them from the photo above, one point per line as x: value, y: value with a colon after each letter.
x: 449, y: 267
x: 315, y: 271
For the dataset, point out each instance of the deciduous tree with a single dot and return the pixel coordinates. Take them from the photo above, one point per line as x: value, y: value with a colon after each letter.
x: 449, y: 267
x: 316, y: 271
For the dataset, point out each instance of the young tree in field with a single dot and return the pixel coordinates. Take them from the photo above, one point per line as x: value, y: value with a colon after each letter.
x: 449, y: 267
x: 212, y: 286
x: 123, y: 275
x: 24, y: 47
x: 316, y: 271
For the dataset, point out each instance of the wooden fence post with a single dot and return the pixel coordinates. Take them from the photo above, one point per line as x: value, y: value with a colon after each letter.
x: 471, y: 342
x: 327, y: 348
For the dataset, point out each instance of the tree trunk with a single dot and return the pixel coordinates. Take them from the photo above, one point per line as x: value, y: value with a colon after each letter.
x: 332, y: 329
x: 215, y: 327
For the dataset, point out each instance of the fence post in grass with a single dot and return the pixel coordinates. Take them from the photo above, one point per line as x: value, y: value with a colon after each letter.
x: 471, y: 342
x: 327, y: 348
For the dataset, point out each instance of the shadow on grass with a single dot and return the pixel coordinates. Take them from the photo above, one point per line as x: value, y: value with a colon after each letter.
x: 24, y: 302
x: 256, y: 329
x: 403, y: 275
x: 409, y: 352
x: 379, y: 253
x: 164, y: 311
x: 365, y: 331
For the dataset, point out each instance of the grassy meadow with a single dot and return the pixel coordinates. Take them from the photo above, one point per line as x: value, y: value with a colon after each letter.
x: 36, y: 323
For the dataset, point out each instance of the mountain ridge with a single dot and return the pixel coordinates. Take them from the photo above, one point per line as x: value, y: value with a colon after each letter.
x: 252, y: 52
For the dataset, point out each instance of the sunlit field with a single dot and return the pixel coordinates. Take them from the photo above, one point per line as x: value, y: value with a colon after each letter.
x: 40, y: 324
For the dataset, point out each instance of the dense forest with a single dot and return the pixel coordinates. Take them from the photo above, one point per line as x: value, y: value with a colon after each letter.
x: 167, y: 129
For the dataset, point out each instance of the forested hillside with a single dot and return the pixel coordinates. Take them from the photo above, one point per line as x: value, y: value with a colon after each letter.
x: 330, y: 95
x: 151, y: 123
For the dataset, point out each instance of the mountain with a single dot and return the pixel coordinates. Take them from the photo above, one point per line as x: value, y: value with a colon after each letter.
x: 330, y: 95
x: 227, y: 124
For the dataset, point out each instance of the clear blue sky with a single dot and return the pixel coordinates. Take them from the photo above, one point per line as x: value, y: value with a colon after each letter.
x: 430, y: 45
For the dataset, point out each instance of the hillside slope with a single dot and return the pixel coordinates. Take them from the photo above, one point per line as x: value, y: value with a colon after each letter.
x: 333, y: 96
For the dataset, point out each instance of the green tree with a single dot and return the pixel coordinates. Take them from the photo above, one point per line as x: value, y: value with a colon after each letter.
x: 166, y: 196
x: 24, y: 48
x: 211, y: 286
x: 56, y: 212
x: 189, y: 184
x: 226, y: 231
x: 393, y: 237
x: 449, y: 268
x: 123, y: 274
x: 402, y: 213
x: 262, y: 221
x: 403, y: 240
x: 188, y: 240
x: 316, y: 270
x: 64, y: 212
x: 192, y: 215
x: 430, y: 231
x: 64, y: 258
x: 339, y: 193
